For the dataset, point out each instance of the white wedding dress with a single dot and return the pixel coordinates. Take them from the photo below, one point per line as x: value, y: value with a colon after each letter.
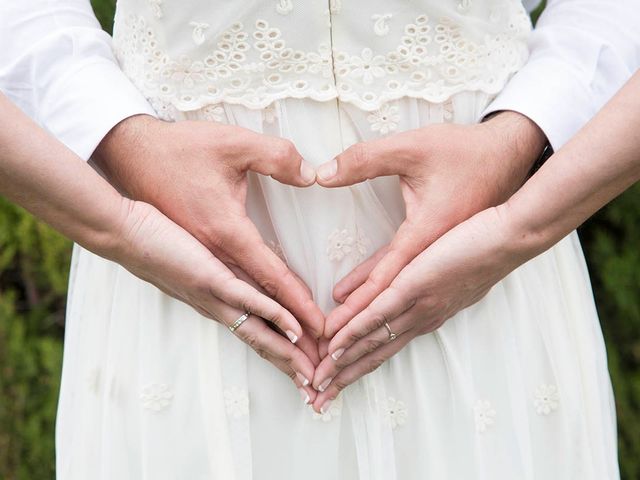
x: 514, y: 387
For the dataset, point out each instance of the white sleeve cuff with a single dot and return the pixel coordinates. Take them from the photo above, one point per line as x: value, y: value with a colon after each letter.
x: 86, y: 103
x: 552, y: 94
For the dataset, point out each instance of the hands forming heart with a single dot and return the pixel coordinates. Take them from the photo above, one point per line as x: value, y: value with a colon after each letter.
x: 448, y: 173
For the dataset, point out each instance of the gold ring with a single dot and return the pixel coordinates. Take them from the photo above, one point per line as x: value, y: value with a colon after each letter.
x: 239, y: 321
x: 392, y: 336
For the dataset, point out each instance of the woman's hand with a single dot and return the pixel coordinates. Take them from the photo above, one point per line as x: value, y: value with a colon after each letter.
x: 454, y: 272
x: 447, y: 173
x: 155, y: 249
x: 196, y: 174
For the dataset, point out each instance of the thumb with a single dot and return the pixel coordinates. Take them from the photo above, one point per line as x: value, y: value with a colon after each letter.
x: 360, y: 162
x: 279, y: 158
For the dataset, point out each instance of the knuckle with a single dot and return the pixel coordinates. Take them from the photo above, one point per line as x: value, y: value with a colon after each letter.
x: 339, y: 384
x: 285, y: 149
x: 374, y: 363
x: 354, y: 337
x: 372, y: 345
x: 360, y: 155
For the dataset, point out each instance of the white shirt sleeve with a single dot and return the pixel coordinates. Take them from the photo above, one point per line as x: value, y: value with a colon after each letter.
x: 582, y: 52
x: 57, y: 64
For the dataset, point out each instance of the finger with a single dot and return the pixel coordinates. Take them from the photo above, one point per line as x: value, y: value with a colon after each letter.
x: 274, y: 348
x: 357, y: 370
x: 357, y: 276
x: 332, y: 365
x: 364, y: 161
x: 305, y: 343
x: 246, y: 247
x: 389, y: 305
x: 279, y: 158
x: 405, y: 246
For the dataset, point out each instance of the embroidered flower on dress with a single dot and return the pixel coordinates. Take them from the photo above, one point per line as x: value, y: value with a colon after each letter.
x: 380, y: 23
x: 546, y: 399
x: 367, y: 66
x: 198, y: 32
x: 340, y: 245
x: 213, y: 113
x: 156, y: 6
x: 361, y: 247
x: 284, y: 6
x: 165, y: 111
x: 464, y: 5
x: 156, y: 396
x: 385, y: 119
x: 334, y: 411
x: 484, y: 415
x: 395, y: 413
x: 236, y: 401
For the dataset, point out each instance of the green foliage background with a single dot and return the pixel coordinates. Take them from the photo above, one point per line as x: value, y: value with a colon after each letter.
x: 34, y: 263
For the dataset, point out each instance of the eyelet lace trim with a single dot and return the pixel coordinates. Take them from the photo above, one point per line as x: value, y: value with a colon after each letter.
x: 253, y: 66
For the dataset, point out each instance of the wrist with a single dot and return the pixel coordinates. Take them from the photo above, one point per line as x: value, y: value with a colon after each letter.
x: 520, y: 140
x: 122, y: 153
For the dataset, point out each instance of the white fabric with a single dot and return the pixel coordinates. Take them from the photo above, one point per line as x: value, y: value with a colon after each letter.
x: 514, y: 387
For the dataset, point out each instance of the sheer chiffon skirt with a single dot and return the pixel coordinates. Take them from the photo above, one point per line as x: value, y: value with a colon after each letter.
x: 514, y: 387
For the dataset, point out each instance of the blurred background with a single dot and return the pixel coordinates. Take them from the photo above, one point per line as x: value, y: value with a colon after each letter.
x: 34, y: 265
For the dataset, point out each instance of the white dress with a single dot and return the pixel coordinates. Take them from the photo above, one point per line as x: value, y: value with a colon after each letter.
x: 514, y: 387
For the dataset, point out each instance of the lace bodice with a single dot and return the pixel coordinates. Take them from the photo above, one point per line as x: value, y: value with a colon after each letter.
x: 366, y: 52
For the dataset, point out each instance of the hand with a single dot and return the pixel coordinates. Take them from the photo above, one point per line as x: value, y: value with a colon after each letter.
x: 196, y: 174
x: 447, y: 173
x: 454, y: 272
x: 157, y: 250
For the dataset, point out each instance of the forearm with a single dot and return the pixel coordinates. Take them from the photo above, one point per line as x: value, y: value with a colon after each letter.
x: 598, y: 164
x: 47, y: 179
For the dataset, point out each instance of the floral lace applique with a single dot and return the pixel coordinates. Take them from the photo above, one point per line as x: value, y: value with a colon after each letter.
x: 198, y: 32
x: 546, y: 399
x: 283, y: 7
x: 385, y: 119
x: 342, y: 243
x: 236, y: 401
x: 381, y: 23
x: 395, y: 413
x: 156, y: 7
x: 156, y: 396
x: 254, y: 66
x: 484, y: 415
x: 464, y: 5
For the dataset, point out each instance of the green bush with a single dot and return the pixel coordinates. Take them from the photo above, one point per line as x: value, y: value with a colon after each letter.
x: 34, y: 263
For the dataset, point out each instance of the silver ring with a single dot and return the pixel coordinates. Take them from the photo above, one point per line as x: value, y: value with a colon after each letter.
x: 392, y: 336
x: 239, y: 321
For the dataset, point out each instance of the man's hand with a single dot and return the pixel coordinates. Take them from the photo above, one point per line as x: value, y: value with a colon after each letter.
x: 447, y: 174
x: 196, y: 174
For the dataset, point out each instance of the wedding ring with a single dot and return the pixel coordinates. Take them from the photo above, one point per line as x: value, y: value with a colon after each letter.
x: 240, y: 321
x: 392, y: 336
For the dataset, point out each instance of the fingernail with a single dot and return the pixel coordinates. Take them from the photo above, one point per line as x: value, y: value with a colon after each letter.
x: 307, y: 172
x: 292, y: 336
x: 328, y: 170
x: 302, y: 379
x: 337, y: 354
x: 323, y: 386
x: 305, y: 396
x: 325, y: 407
